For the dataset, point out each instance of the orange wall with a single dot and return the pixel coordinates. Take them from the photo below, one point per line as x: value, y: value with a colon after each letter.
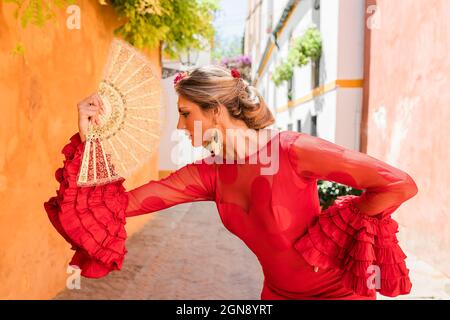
x: 407, y: 113
x: 39, y: 92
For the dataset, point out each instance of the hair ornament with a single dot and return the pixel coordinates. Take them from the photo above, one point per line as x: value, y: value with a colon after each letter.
x: 235, y: 73
x: 179, y: 76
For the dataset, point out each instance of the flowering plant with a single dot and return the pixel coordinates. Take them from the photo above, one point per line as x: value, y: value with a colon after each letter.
x: 241, y: 63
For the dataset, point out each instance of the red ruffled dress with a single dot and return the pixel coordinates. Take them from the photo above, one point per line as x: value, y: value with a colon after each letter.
x: 348, y: 251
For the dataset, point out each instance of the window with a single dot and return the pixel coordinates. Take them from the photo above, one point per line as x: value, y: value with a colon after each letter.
x: 317, y: 4
x: 315, y: 66
x: 314, y: 125
x: 299, y: 125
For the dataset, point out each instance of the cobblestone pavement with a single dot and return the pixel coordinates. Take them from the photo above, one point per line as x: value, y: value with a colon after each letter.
x: 183, y: 252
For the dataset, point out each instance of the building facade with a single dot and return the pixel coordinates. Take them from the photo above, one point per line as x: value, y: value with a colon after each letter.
x: 381, y: 87
x: 324, y: 98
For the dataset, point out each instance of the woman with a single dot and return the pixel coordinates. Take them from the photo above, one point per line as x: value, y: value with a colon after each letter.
x: 267, y: 197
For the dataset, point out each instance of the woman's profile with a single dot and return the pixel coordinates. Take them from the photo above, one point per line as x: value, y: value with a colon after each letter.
x: 348, y: 251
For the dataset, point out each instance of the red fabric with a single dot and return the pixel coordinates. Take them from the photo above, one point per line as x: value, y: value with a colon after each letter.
x: 276, y: 214
x: 344, y: 238
x: 91, y: 219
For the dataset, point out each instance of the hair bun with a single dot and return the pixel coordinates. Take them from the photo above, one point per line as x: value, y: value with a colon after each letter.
x: 211, y: 85
x: 253, y: 94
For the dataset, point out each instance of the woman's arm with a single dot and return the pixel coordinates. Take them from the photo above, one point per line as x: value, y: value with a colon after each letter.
x: 89, y: 110
x: 193, y: 182
x: 385, y: 187
x: 355, y: 234
x: 92, y: 219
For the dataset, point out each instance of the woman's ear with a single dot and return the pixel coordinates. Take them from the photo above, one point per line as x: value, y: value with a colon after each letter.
x: 216, y: 111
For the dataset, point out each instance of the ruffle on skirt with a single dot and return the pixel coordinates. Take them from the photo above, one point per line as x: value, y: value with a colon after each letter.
x: 91, y: 219
x: 364, y: 247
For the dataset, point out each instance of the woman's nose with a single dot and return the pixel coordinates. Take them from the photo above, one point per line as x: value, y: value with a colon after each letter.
x: 180, y: 125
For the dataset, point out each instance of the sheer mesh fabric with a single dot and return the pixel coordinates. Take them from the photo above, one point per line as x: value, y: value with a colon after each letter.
x: 385, y: 187
x: 193, y: 182
x: 272, y: 212
x: 270, y: 202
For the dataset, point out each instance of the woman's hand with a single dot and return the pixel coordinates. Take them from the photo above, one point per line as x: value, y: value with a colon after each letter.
x: 88, y: 112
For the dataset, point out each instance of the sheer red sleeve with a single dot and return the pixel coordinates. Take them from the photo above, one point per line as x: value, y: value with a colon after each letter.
x: 193, y: 182
x: 92, y: 219
x: 357, y: 233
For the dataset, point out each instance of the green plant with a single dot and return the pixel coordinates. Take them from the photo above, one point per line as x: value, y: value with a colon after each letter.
x: 311, y: 44
x: 179, y: 24
x: 37, y: 12
x: 306, y: 48
x: 290, y: 95
x: 329, y: 191
x: 19, y: 49
x: 282, y: 72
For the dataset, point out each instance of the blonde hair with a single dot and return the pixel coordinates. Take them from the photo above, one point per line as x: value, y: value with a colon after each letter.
x: 209, y: 85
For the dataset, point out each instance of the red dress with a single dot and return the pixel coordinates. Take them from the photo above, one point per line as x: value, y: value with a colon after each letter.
x: 276, y: 214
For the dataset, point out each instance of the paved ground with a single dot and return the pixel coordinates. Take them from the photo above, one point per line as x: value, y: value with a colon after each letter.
x: 428, y: 283
x: 185, y: 252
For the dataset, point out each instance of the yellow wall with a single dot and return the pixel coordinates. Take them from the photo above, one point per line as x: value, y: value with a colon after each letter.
x: 39, y: 91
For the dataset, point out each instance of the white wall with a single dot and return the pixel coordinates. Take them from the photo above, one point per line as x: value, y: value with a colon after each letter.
x: 329, y: 28
x: 339, y: 111
x: 350, y: 62
x: 348, y: 117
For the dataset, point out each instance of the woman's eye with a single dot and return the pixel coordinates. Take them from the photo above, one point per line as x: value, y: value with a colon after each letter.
x: 185, y: 114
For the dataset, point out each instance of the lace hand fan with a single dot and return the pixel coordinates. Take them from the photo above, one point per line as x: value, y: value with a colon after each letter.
x: 130, y: 128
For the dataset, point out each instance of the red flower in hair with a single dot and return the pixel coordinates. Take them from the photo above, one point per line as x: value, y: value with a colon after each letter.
x: 235, y: 73
x: 179, y: 76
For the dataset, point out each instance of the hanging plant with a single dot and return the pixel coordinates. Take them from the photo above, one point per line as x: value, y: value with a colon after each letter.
x: 180, y: 24
x: 37, y: 12
x: 311, y: 44
x: 282, y: 72
x: 305, y: 49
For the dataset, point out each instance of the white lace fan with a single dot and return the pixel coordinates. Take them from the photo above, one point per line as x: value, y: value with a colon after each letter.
x: 130, y: 129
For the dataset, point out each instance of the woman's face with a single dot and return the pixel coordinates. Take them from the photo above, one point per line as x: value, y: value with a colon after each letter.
x: 194, y: 121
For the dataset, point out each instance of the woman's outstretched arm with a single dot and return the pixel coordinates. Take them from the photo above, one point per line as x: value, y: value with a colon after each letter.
x: 92, y: 219
x: 385, y: 187
x: 193, y: 182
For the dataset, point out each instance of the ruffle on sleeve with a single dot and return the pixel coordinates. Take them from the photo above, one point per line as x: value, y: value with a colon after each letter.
x: 91, y: 219
x: 345, y: 238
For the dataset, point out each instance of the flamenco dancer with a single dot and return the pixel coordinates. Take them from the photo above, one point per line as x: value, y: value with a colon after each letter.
x: 347, y: 251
